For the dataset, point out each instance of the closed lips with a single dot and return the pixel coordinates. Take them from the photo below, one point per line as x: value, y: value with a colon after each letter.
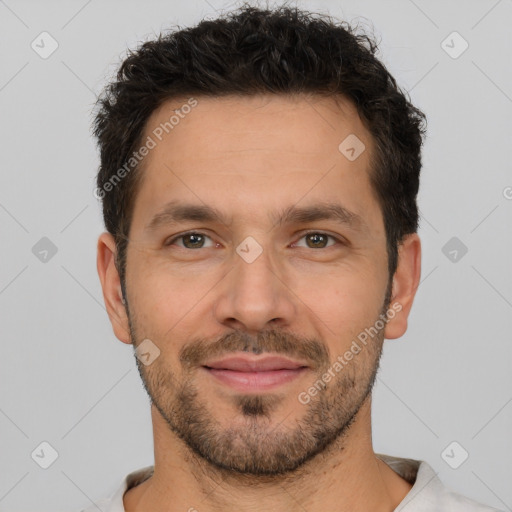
x: 241, y: 364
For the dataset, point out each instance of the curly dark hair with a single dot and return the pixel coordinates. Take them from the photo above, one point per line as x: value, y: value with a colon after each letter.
x: 252, y: 51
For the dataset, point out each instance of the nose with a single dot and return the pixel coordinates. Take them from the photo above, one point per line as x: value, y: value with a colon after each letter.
x: 254, y: 296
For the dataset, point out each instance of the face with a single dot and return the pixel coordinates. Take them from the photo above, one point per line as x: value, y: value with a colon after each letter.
x: 256, y: 259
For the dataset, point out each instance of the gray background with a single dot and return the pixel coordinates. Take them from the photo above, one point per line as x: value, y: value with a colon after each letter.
x: 64, y: 377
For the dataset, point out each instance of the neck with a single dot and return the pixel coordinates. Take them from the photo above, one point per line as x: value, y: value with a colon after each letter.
x: 347, y: 476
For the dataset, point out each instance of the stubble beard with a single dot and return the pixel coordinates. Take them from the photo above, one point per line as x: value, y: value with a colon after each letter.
x: 261, y: 443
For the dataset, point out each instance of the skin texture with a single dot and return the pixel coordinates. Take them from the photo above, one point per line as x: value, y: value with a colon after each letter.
x: 306, y: 298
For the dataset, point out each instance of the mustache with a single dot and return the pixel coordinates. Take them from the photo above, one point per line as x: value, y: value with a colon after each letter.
x: 197, y: 352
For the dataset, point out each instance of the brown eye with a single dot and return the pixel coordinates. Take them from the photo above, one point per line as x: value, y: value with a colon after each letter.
x: 192, y: 240
x: 317, y: 240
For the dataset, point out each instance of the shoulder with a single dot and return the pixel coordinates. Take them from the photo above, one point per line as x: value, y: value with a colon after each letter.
x: 428, y: 493
x: 114, y: 503
x: 435, y: 496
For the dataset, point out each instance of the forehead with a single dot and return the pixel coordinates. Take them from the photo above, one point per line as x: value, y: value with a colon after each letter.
x: 269, y: 149
x: 302, y: 124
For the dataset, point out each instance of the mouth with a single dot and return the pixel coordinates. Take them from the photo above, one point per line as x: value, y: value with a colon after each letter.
x: 255, y: 374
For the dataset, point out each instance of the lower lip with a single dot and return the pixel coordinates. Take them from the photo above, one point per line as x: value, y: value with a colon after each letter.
x: 255, y: 381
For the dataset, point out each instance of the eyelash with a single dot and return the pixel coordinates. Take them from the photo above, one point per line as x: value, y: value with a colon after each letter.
x: 171, y: 242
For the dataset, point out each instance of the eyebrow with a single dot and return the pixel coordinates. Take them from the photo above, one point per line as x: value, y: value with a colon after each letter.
x: 175, y: 212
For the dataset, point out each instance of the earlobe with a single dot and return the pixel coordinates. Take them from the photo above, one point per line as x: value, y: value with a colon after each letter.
x: 405, y: 284
x: 111, y: 286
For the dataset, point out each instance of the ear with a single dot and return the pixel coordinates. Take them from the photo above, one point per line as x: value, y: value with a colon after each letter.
x: 111, y: 285
x: 405, y: 283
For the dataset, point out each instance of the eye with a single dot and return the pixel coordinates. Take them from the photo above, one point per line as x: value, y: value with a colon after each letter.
x: 196, y: 240
x: 318, y: 240
x: 191, y: 240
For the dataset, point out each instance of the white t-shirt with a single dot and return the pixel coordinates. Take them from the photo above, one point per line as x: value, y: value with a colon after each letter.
x: 428, y: 494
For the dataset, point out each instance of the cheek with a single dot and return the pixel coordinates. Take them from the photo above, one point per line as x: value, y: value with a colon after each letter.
x: 344, y: 293
x: 341, y: 305
x: 157, y: 287
x: 338, y: 299
x: 166, y: 302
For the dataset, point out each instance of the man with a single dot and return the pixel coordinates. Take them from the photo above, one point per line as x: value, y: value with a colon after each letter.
x: 259, y: 176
